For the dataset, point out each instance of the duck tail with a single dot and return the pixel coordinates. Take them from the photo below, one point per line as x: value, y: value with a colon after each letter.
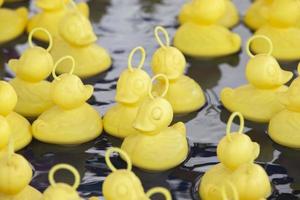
x: 84, y: 9
x: 180, y: 126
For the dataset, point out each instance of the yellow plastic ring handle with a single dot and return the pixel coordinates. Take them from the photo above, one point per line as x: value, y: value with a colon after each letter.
x: 166, y: 87
x: 268, y: 40
x: 142, y: 61
x: 59, y: 61
x: 43, y: 30
x: 234, y: 192
x: 159, y: 190
x: 122, y: 153
x: 229, y: 123
x: 165, y: 33
x: 68, y: 167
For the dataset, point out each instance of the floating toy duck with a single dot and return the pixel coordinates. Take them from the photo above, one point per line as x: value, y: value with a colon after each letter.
x: 190, y: 11
x: 283, y: 127
x: 20, y: 127
x: 236, y: 152
x: 258, y: 100
x: 62, y: 191
x: 132, y: 89
x: 156, y: 147
x: 71, y: 121
x: 124, y: 184
x: 52, y: 12
x: 78, y: 39
x: 205, y: 38
x: 15, y: 176
x: 282, y: 30
x: 184, y: 94
x: 12, y: 28
x: 31, y: 69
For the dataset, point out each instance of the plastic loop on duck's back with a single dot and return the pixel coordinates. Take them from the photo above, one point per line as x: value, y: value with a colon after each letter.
x: 59, y: 61
x: 165, y: 33
x: 166, y: 86
x: 159, y: 190
x: 229, y: 123
x: 268, y: 40
x: 66, y: 167
x: 234, y: 192
x: 122, y: 153
x: 43, y: 30
x: 142, y: 61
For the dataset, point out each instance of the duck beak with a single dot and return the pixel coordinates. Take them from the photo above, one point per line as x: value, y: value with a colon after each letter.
x: 89, y: 91
x: 285, y: 77
x: 13, y: 64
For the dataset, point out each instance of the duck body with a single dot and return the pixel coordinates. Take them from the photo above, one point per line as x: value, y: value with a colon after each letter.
x: 180, y: 88
x: 50, y: 19
x: 161, y: 151
x: 68, y: 126
x: 12, y: 28
x: 28, y: 193
x: 254, y: 103
x: 206, y: 40
x: 33, y: 98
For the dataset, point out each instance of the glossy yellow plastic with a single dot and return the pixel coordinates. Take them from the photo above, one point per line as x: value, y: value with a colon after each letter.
x: 31, y: 69
x: 258, y: 100
x: 78, y: 40
x: 124, y: 184
x: 157, y: 146
x: 12, y: 28
x: 282, y: 29
x: 52, y: 12
x: 132, y: 88
x: 191, y: 10
x: 5, y: 132
x: 20, y: 127
x: 71, y: 120
x: 62, y: 191
x: 184, y: 94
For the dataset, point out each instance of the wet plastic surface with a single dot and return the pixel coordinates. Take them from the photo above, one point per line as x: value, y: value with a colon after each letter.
x: 122, y: 25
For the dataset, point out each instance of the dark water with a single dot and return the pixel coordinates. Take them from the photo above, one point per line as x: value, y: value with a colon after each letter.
x: 122, y: 25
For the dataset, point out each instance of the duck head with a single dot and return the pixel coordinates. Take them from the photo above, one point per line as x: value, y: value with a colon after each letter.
x: 62, y: 191
x: 155, y: 113
x: 50, y: 5
x: 77, y: 29
x: 5, y: 132
x: 167, y: 60
x: 133, y: 84
x: 236, y: 148
x: 8, y: 98
x: 67, y: 90
x: 263, y: 71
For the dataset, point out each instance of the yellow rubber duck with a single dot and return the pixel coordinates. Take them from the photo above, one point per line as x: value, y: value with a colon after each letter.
x: 12, y: 28
x: 184, y: 94
x: 62, y: 191
x: 157, y: 146
x: 5, y: 132
x: 15, y: 176
x: 71, y: 120
x: 132, y: 89
x: 124, y: 184
x: 31, y: 69
x: 20, y: 127
x: 189, y: 13
x: 78, y: 39
x: 283, y: 127
x: 282, y: 30
x: 236, y: 153
x: 205, y: 38
x: 52, y: 12
x: 258, y: 101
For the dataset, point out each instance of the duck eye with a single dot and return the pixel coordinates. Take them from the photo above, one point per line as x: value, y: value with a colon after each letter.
x: 156, y: 113
x: 138, y: 84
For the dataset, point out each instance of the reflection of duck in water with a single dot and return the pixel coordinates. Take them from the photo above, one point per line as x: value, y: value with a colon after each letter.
x: 258, y: 100
x: 12, y: 28
x: 34, y: 66
x: 71, y: 120
x: 78, y: 40
x: 184, y: 94
x: 124, y: 184
x: 52, y: 11
x: 132, y: 88
x: 157, y: 146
